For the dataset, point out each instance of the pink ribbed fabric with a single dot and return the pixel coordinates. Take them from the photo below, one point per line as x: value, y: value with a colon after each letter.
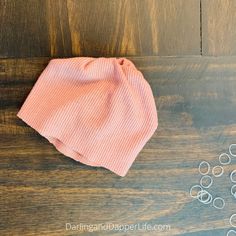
x: 98, y: 111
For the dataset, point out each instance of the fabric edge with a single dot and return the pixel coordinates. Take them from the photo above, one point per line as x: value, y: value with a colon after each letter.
x: 45, y: 135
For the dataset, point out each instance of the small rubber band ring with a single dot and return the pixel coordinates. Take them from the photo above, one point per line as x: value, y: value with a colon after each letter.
x: 230, y: 220
x: 191, y: 190
x: 214, y: 169
x: 202, y: 193
x: 206, y: 177
x: 230, y: 151
x: 231, y: 176
x: 208, y: 168
x: 224, y: 163
x: 209, y: 199
x: 217, y: 199
x: 232, y: 190
x: 230, y: 231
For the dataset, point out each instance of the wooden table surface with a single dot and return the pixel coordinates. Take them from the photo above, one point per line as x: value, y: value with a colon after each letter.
x: 41, y: 190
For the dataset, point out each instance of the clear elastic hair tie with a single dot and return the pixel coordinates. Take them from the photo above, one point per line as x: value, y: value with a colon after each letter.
x: 233, y: 190
x: 195, y: 188
x: 230, y: 150
x: 206, y: 181
x: 232, y: 176
x: 217, y: 171
x: 204, y: 197
x: 201, y: 167
x: 224, y: 159
x: 231, y: 232
x: 232, y: 219
x: 219, y: 203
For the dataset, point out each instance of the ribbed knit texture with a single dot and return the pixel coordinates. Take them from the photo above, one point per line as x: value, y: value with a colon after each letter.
x: 99, y: 111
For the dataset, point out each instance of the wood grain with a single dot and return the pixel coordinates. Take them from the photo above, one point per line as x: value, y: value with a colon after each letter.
x: 218, y: 27
x: 58, y: 28
x: 41, y: 190
x: 139, y: 27
x: 23, y: 28
x: 64, y: 28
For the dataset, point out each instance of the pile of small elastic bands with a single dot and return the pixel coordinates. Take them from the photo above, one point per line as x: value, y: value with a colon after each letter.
x: 199, y: 191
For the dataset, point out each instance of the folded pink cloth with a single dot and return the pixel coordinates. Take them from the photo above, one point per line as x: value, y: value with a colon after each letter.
x: 99, y: 111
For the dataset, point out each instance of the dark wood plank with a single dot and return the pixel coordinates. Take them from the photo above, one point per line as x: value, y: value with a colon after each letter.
x: 58, y: 28
x: 41, y: 190
x: 23, y: 28
x: 218, y: 27
x: 137, y: 28
x: 177, y: 23
x: 67, y: 28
